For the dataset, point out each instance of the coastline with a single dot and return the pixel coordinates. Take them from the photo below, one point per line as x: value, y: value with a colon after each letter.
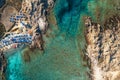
x: 59, y: 31
x: 33, y: 20
x: 102, y: 46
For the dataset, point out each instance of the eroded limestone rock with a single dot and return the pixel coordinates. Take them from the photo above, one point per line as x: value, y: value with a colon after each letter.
x: 103, y: 49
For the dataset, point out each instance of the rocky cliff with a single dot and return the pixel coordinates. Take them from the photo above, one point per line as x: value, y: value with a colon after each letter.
x: 36, y: 11
x: 103, y: 48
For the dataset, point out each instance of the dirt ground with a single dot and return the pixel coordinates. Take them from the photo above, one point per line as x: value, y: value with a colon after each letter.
x: 5, y: 18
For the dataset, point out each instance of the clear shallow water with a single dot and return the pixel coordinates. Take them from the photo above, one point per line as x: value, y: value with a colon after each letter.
x: 61, y: 59
x: 67, y: 13
x: 14, y: 66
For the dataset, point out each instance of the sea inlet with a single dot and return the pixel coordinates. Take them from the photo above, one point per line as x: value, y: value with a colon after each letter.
x: 62, y: 58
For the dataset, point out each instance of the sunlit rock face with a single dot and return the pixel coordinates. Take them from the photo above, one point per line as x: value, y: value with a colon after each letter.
x: 68, y: 14
x: 36, y: 11
x: 103, y: 48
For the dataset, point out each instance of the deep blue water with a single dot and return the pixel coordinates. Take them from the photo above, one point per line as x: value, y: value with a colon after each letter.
x: 68, y: 13
x: 61, y: 59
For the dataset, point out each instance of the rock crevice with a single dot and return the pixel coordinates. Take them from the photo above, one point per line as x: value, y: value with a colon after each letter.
x: 103, y: 49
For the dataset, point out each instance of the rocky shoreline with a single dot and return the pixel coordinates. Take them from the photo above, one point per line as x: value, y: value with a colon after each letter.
x: 3, y: 64
x: 36, y: 12
x: 103, y: 48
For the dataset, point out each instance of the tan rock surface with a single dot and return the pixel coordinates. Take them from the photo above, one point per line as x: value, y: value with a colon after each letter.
x: 5, y: 18
x: 103, y: 49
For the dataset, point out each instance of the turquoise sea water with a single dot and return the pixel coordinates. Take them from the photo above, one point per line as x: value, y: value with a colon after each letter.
x: 62, y: 58
x: 68, y: 13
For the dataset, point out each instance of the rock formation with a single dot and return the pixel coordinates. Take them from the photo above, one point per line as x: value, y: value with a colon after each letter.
x: 37, y: 40
x: 103, y: 48
x: 2, y: 65
x: 36, y: 11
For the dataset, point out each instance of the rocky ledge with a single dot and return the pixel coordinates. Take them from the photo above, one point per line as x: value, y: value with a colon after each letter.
x: 36, y: 12
x: 2, y: 65
x: 103, y: 48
